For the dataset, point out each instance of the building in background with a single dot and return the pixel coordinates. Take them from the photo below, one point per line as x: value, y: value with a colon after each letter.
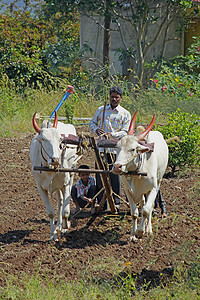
x: 123, y: 38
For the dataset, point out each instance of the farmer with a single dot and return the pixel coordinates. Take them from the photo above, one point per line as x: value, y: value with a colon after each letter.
x: 83, y: 191
x: 111, y: 121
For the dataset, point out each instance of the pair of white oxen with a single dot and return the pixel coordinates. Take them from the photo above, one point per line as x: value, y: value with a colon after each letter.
x: 132, y: 154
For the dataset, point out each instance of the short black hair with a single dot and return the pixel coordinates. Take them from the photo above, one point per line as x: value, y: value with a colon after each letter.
x: 83, y: 167
x: 116, y: 89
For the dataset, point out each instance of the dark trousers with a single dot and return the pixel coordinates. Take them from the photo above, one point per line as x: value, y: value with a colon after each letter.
x: 91, y: 193
x: 115, y: 181
x: 159, y: 200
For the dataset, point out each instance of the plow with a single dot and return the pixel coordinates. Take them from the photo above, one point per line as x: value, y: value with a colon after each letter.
x: 83, y: 143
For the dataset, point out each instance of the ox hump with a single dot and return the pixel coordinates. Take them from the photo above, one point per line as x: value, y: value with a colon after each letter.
x: 66, y: 129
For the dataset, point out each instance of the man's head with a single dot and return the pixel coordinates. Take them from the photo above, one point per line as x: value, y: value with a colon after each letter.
x: 115, y: 96
x: 83, y: 175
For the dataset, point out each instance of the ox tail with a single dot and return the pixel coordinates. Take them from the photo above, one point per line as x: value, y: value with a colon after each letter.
x: 174, y: 138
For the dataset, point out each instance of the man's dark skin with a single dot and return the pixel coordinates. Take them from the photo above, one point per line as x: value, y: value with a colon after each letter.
x: 115, y: 99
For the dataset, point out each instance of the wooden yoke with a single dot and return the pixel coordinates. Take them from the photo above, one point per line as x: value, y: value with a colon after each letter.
x: 104, y: 178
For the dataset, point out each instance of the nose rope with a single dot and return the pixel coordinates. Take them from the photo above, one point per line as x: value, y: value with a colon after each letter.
x: 135, y: 155
x: 139, y: 164
x: 42, y: 149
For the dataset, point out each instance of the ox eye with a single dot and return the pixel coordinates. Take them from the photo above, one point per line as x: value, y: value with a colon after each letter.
x: 131, y: 150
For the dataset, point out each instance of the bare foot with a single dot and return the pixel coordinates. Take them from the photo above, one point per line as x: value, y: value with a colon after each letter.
x: 164, y: 215
x: 75, y: 210
x: 93, y: 211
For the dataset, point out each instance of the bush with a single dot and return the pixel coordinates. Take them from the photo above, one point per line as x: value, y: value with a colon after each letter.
x: 187, y: 128
x: 178, y: 80
x: 33, y: 50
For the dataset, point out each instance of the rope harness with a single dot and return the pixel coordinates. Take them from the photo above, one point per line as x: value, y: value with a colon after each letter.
x: 42, y: 149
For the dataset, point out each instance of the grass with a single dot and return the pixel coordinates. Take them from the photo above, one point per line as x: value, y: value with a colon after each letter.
x: 183, y: 284
x: 17, y: 109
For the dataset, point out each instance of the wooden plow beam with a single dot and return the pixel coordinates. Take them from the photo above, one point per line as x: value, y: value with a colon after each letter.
x: 47, y: 169
x: 104, y: 179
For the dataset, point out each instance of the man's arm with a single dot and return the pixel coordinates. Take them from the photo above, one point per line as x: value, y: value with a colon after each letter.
x: 94, y: 122
x: 84, y: 198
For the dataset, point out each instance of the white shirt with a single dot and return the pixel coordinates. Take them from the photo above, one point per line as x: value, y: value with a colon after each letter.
x: 116, y: 121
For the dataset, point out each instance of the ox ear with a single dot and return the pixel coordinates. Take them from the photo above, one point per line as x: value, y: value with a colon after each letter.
x: 142, y: 147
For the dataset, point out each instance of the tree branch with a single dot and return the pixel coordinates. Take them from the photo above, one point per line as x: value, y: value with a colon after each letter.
x: 121, y: 16
x: 98, y: 23
x: 146, y: 49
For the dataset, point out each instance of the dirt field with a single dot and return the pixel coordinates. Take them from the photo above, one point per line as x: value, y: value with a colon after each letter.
x: 24, y: 228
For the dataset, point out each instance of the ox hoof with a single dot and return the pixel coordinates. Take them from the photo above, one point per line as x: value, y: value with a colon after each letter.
x: 149, y: 231
x: 64, y: 231
x: 66, y: 224
x: 133, y: 239
x: 54, y: 238
x: 58, y: 229
x: 139, y: 233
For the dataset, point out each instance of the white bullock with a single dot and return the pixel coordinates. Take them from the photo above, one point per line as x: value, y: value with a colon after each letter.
x: 47, y: 150
x: 150, y: 156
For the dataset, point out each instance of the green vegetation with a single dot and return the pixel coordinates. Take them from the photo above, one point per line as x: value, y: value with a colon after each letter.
x: 179, y: 82
x: 40, y: 56
x: 33, y: 51
x: 140, y: 15
x: 183, y: 283
x: 187, y: 150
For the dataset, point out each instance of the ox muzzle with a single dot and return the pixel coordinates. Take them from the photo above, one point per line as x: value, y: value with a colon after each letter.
x: 117, y: 169
x: 53, y: 162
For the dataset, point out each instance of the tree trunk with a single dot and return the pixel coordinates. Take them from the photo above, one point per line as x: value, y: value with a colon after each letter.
x: 107, y: 40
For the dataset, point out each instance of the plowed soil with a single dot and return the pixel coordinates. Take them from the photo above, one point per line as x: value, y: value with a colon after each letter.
x: 25, y: 230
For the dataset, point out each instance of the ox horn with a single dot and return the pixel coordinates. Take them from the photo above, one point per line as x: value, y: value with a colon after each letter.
x: 55, y: 123
x: 36, y: 127
x: 146, y: 131
x: 132, y: 124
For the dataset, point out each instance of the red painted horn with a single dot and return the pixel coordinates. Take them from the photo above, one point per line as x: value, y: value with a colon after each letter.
x: 146, y: 131
x: 36, y: 127
x: 132, y: 124
x: 55, y: 123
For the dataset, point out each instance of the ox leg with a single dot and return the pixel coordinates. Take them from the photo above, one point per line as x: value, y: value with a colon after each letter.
x: 133, y: 208
x: 66, y: 211
x: 142, y: 201
x: 50, y: 212
x: 59, y: 197
x: 66, y: 206
x: 134, y: 214
x: 146, y: 214
x: 149, y: 225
